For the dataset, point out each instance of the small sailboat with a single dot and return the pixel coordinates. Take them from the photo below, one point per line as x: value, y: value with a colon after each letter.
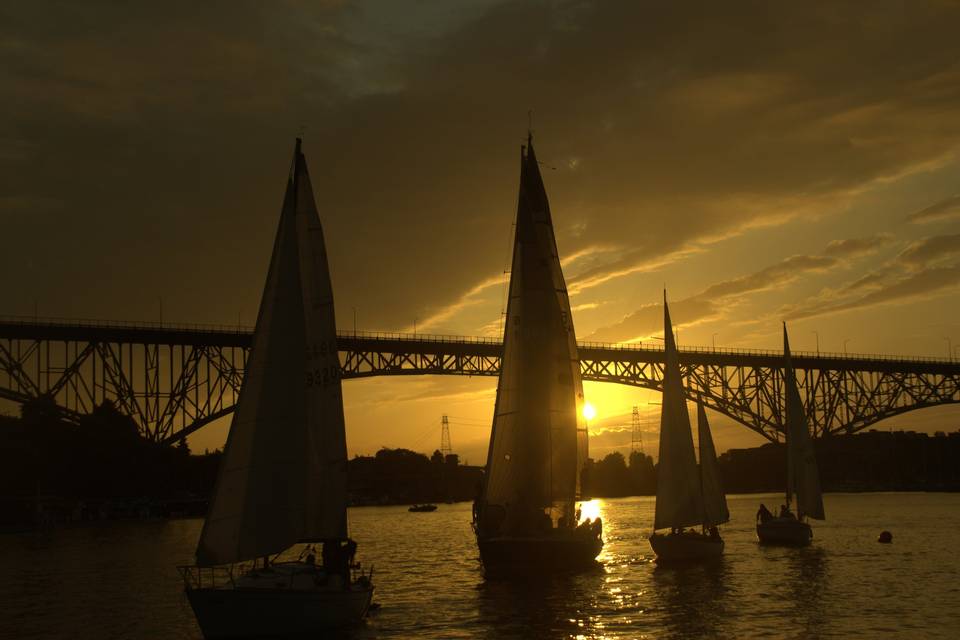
x: 803, y: 477
x: 282, y: 479
x: 687, y: 495
x: 526, y: 517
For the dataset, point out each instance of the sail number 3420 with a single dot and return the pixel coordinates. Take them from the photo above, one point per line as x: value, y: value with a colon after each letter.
x: 323, y: 376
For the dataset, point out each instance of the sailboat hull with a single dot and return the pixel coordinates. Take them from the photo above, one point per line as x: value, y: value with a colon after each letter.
x: 686, y: 547
x: 785, y: 532
x: 547, y: 553
x: 252, y: 613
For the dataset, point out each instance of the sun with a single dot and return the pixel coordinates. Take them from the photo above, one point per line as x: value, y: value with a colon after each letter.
x: 588, y: 411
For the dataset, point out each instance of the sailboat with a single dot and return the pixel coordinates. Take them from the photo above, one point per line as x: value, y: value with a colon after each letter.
x: 803, y: 478
x: 526, y: 516
x: 687, y: 495
x: 282, y: 480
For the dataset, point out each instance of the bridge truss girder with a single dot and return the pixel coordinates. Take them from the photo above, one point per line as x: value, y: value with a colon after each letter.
x: 837, y: 401
x: 168, y: 389
x: 173, y: 382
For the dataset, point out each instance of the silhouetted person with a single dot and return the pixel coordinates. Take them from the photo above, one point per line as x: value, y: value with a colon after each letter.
x: 763, y: 514
x: 336, y: 558
x: 714, y: 533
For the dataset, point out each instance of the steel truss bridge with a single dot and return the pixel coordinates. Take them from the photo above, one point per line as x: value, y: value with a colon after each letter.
x: 174, y: 380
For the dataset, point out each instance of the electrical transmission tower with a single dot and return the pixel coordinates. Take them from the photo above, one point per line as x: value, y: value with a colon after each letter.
x: 636, y: 436
x: 445, y: 447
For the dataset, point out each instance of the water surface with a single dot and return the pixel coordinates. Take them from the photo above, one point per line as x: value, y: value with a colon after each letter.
x: 118, y: 580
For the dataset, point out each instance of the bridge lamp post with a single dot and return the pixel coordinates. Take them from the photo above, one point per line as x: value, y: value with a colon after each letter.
x: 949, y: 348
x: 818, y: 341
x: 845, y: 341
x: 713, y: 341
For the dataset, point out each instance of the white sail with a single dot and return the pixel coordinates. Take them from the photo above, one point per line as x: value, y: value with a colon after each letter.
x: 538, y: 443
x: 714, y: 501
x: 803, y: 477
x: 679, y: 500
x: 282, y: 476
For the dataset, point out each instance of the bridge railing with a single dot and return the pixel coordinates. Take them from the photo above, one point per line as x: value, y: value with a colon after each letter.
x: 124, y: 324
x: 418, y: 337
x: 658, y: 346
x: 446, y: 338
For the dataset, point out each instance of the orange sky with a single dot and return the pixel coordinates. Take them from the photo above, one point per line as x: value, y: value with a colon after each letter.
x: 763, y: 161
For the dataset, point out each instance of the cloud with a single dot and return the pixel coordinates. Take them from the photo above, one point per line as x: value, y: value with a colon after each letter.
x: 856, y: 247
x: 468, y: 299
x: 169, y: 131
x: 717, y: 298
x: 925, y: 268
x: 29, y: 205
x: 946, y: 209
x: 625, y: 263
x: 925, y: 283
x: 929, y: 250
x: 585, y: 306
x: 647, y: 321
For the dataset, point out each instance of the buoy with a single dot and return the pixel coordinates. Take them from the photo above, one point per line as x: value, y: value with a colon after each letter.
x: 885, y: 537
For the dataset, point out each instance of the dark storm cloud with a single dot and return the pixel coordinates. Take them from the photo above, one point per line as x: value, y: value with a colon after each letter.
x: 166, y: 131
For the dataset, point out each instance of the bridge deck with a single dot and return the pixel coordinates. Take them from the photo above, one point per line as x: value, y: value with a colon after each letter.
x: 173, y: 379
x: 239, y: 336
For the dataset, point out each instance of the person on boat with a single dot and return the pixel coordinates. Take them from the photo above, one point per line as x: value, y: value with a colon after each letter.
x: 785, y: 512
x: 336, y: 560
x: 714, y: 533
x: 764, y: 514
x: 350, y: 551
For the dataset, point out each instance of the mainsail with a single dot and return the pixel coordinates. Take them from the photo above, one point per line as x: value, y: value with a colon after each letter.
x: 282, y: 477
x: 539, y: 440
x: 803, y: 478
x: 679, y: 498
x: 714, y: 501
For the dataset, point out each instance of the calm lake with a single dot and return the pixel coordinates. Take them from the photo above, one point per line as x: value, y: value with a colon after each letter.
x: 118, y: 580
